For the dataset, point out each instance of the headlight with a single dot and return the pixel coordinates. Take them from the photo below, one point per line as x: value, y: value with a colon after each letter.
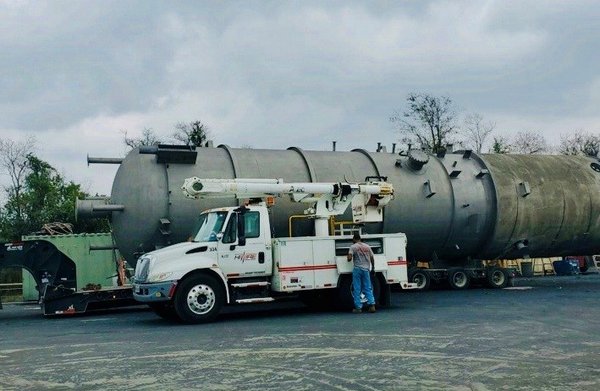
x: 159, y: 277
x: 143, y: 267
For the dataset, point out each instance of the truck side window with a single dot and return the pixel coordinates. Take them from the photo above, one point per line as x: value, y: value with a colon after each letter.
x: 252, y: 224
x: 229, y: 236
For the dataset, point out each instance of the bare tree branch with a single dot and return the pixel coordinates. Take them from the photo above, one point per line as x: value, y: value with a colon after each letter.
x: 476, y: 131
x: 579, y: 143
x: 148, y: 137
x: 528, y: 142
x: 14, y: 161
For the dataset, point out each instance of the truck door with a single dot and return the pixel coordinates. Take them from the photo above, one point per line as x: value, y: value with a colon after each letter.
x: 251, y: 259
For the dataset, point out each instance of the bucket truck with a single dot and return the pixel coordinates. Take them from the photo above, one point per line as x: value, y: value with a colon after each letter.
x: 233, y: 258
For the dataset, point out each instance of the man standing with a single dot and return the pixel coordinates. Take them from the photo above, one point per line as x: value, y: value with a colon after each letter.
x: 363, y: 258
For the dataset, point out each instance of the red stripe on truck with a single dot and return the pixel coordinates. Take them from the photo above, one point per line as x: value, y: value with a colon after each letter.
x: 306, y: 268
x: 397, y: 263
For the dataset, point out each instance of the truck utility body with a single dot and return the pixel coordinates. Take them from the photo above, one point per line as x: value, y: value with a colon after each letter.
x: 233, y: 259
x: 316, y: 263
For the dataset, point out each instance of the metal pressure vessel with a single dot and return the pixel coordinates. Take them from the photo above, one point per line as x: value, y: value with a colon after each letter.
x: 451, y: 206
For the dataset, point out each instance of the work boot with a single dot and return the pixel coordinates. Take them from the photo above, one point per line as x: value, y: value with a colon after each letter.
x: 372, y: 308
x: 356, y: 311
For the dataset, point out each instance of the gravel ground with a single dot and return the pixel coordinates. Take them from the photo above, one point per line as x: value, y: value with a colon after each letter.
x: 542, y: 334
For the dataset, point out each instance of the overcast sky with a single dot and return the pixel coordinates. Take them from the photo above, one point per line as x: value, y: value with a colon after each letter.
x: 274, y: 74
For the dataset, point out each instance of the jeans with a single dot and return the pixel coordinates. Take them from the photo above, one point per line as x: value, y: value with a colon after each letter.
x: 361, y: 282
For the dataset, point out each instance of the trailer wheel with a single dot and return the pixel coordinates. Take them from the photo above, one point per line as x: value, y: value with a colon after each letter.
x: 421, y: 278
x: 199, y: 299
x: 165, y: 310
x: 497, y: 278
x: 458, y: 278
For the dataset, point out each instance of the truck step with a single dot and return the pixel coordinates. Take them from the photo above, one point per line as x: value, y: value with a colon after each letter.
x: 255, y: 300
x: 254, y: 284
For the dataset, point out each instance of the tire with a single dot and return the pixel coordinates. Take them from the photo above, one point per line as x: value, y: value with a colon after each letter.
x: 199, y: 299
x: 497, y: 278
x: 345, y: 301
x: 421, y: 278
x: 458, y: 278
x: 164, y: 310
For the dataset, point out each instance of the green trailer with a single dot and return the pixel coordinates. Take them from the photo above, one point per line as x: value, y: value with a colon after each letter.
x: 70, y: 273
x: 94, y: 257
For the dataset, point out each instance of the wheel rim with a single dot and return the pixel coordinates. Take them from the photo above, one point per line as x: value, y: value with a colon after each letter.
x: 201, y: 299
x: 419, y: 279
x: 460, y: 279
x: 498, y: 277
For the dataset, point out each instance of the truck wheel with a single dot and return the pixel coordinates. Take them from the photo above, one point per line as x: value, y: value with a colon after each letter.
x: 346, y: 301
x: 497, y: 278
x: 199, y: 299
x: 421, y: 278
x: 164, y: 310
x: 458, y: 278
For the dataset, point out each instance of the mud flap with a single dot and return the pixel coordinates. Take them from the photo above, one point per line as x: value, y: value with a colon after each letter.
x: 385, y: 296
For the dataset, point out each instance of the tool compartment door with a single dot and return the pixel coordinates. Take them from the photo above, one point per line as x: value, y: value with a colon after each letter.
x: 294, y: 265
x: 325, y: 267
x: 394, y: 258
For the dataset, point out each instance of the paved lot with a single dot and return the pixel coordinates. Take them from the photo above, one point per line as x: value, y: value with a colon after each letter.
x: 543, y: 335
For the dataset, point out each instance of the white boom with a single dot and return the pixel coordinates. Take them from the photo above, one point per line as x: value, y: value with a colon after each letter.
x: 327, y: 199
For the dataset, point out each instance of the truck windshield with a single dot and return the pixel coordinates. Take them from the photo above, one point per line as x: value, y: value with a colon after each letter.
x: 209, y: 225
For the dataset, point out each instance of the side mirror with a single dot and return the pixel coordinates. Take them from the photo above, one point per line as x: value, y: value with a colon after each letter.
x: 219, y: 236
x: 241, y: 225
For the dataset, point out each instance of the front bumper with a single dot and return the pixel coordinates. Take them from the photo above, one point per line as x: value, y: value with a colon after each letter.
x: 154, y: 292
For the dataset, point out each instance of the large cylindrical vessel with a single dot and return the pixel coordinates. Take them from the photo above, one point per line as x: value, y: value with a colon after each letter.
x: 453, y: 207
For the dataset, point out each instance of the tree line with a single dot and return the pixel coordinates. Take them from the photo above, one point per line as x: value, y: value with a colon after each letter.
x: 37, y: 194
x: 432, y: 123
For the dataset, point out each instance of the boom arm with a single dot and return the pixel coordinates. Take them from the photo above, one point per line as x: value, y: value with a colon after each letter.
x: 327, y: 199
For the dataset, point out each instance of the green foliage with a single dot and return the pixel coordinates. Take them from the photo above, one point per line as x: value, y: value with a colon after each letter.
x: 192, y: 134
x: 500, y: 145
x: 45, y: 197
x: 429, y: 121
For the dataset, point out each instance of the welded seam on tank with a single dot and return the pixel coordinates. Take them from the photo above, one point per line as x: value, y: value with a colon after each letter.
x: 490, y: 226
x: 562, y: 221
x: 370, y: 158
x: 589, y: 227
x: 232, y: 159
x: 450, y: 232
x: 307, y: 162
x: 510, y: 240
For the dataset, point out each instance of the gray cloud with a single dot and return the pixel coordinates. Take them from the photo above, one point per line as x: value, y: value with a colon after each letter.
x: 66, y: 61
x: 274, y: 74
